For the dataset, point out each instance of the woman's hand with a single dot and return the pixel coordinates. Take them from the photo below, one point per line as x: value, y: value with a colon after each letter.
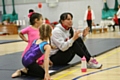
x: 50, y: 63
x: 86, y: 31
x: 76, y: 34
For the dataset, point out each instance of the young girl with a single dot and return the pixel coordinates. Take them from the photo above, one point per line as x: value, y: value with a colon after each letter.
x: 38, y: 48
x: 32, y: 31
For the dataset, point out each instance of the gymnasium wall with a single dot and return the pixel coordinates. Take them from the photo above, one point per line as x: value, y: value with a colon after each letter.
x: 76, y: 7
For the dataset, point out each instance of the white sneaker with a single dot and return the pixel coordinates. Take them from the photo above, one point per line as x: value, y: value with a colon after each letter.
x: 93, y: 64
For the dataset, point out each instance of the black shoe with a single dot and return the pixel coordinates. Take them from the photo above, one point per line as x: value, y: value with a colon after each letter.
x: 113, y: 30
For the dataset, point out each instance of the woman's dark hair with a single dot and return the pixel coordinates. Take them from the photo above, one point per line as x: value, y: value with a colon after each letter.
x: 71, y: 32
x: 33, y: 17
x: 64, y: 16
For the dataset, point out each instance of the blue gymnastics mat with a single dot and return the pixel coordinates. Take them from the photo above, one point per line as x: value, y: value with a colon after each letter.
x: 11, y: 62
x: 8, y: 41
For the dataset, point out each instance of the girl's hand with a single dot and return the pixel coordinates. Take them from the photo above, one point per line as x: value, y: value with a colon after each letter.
x: 47, y: 76
x: 23, y: 37
x: 26, y: 40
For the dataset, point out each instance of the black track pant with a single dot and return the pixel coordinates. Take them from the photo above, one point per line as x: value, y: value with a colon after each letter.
x: 64, y: 57
x: 89, y: 22
x: 119, y: 23
x: 35, y: 70
x: 114, y: 27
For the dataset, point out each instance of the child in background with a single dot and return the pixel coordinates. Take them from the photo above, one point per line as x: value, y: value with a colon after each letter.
x: 39, y: 47
x: 31, y: 10
x: 47, y: 21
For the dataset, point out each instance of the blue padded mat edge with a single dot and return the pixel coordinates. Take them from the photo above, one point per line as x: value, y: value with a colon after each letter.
x: 9, y: 41
x: 11, y: 62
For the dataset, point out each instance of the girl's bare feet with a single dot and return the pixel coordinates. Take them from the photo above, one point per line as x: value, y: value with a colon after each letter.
x: 16, y: 74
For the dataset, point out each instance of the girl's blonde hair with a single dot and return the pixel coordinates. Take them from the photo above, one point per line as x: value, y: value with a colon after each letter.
x: 45, y: 31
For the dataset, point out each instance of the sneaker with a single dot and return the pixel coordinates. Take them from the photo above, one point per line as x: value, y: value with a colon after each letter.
x: 93, y: 64
x: 94, y: 61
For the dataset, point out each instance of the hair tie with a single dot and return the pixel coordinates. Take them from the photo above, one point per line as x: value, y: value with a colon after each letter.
x: 30, y: 14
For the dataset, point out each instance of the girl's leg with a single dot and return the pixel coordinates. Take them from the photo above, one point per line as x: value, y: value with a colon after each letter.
x: 32, y: 70
x: 35, y: 70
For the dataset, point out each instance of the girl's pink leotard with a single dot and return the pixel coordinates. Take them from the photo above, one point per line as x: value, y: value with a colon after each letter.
x: 32, y: 34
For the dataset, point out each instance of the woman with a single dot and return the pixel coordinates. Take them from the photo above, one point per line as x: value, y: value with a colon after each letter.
x: 68, y: 43
x: 89, y: 17
x: 115, y: 19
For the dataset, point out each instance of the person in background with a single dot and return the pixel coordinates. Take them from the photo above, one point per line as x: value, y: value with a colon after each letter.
x: 118, y: 15
x: 115, y: 19
x: 67, y: 43
x: 47, y: 21
x: 6, y: 22
x: 53, y: 24
x: 89, y: 17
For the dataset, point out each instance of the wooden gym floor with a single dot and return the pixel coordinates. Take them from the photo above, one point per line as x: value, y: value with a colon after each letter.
x: 110, y: 60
